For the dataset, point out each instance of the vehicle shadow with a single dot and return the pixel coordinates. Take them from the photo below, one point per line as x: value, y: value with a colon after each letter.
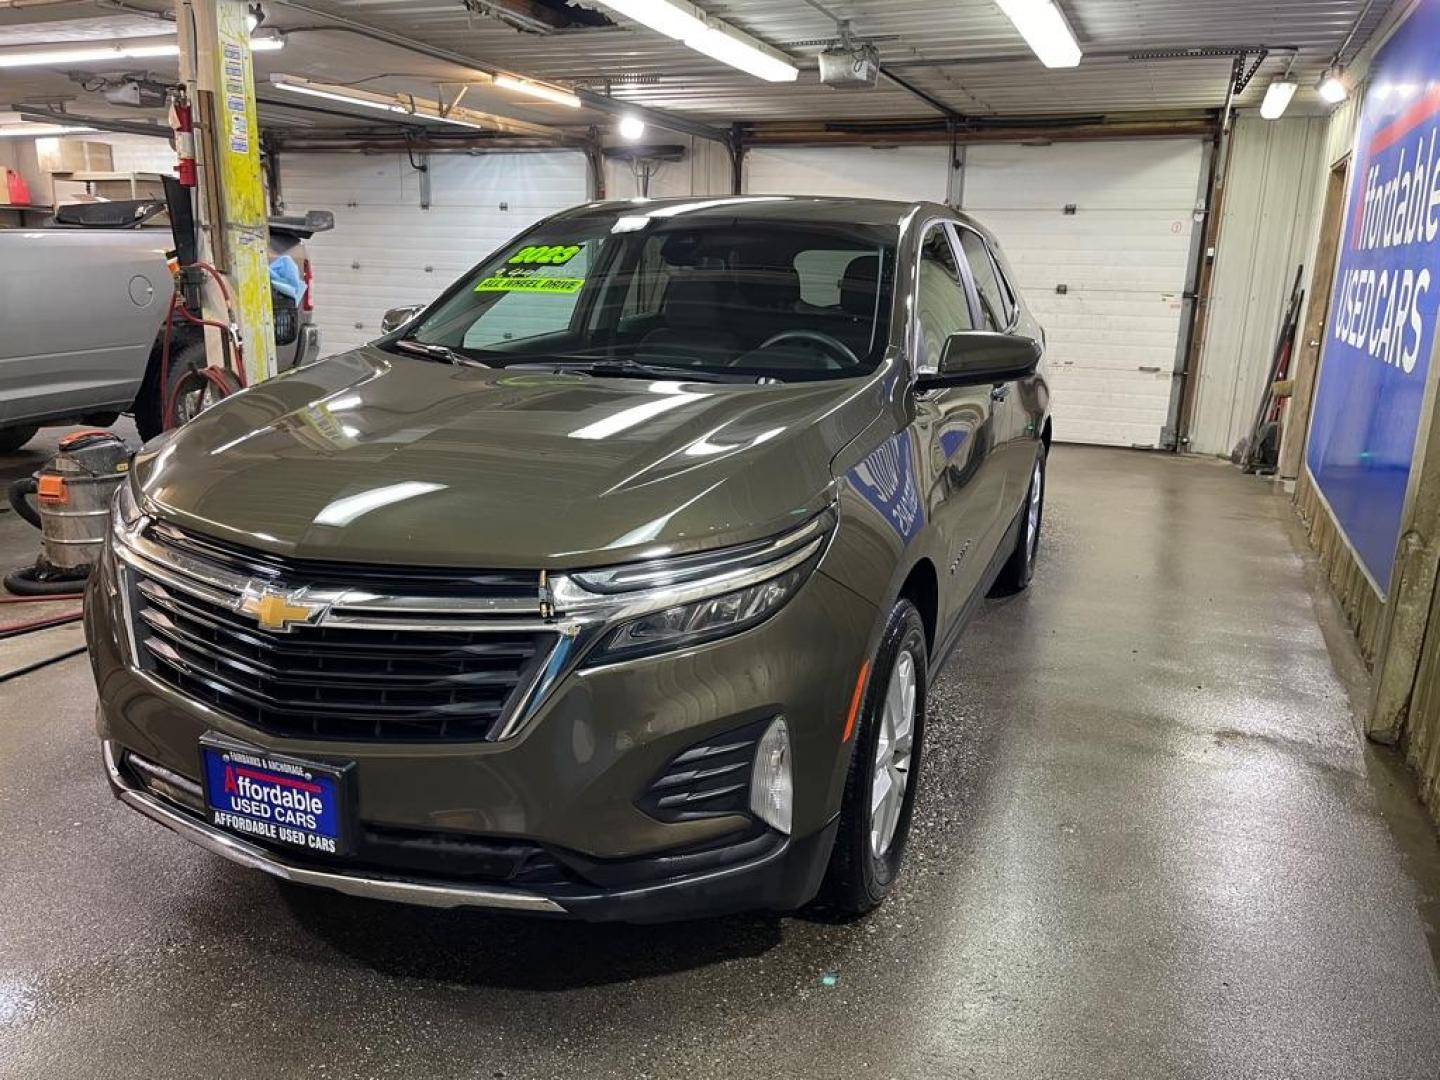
x: 479, y: 949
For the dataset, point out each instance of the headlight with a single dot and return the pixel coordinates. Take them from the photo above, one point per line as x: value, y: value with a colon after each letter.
x: 125, y: 512
x: 672, y: 603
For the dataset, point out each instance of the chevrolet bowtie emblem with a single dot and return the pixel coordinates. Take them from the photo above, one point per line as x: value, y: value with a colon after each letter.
x: 275, y: 610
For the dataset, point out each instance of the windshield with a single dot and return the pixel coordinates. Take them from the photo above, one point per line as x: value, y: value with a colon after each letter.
x: 784, y: 300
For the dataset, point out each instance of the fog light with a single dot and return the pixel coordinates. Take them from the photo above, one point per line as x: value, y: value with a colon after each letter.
x: 772, y: 792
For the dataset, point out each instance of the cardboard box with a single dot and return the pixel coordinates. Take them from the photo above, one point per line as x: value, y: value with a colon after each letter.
x: 74, y: 155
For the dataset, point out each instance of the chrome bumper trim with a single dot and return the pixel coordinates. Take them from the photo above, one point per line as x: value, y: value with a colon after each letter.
x: 256, y: 858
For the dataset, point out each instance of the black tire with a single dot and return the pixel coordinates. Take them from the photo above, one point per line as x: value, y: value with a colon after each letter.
x: 858, y: 877
x: 185, y: 356
x: 13, y: 438
x: 1020, y: 567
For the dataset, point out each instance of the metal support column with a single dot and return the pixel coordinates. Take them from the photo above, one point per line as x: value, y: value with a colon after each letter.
x: 215, y: 66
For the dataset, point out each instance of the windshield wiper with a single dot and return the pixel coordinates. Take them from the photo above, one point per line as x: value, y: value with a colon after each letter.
x: 626, y: 368
x: 437, y: 352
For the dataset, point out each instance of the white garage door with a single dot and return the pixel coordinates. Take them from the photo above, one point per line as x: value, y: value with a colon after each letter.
x: 1122, y: 256
x: 907, y: 173
x: 385, y: 251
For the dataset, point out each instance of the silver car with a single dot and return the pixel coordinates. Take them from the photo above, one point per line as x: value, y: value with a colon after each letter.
x: 83, y: 304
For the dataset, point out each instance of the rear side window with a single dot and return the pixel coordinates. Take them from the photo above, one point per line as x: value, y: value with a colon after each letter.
x: 997, y: 308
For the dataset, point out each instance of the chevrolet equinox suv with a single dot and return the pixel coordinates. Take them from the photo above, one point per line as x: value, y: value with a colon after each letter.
x: 610, y: 585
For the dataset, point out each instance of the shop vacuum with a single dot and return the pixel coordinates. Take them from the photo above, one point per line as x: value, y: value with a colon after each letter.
x: 68, y: 500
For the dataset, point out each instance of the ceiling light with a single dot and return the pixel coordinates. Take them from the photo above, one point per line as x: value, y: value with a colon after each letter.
x: 716, y: 39
x: 1277, y: 99
x: 632, y: 127
x: 330, y: 95
x: 537, y: 90
x: 722, y: 43
x: 672, y: 20
x: 91, y: 54
x: 28, y: 131
x: 299, y: 86
x: 265, y: 41
x: 1332, y: 86
x: 1044, y: 29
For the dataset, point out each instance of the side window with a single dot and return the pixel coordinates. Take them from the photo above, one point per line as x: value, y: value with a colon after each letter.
x: 995, y: 303
x: 516, y: 314
x: 941, y: 308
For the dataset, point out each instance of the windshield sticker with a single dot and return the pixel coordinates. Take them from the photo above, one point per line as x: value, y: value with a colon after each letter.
x: 526, y: 283
x: 531, y: 268
x: 545, y: 255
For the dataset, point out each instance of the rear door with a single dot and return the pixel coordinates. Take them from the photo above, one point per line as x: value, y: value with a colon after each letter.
x: 1015, y: 437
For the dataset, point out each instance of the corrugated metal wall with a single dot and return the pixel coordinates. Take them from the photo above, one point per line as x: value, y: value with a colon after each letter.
x: 1271, y: 202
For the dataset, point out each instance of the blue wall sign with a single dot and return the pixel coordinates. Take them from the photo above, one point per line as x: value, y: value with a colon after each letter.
x: 1381, y: 328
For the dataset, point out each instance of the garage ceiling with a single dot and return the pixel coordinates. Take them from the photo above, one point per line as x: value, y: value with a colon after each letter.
x: 962, y: 54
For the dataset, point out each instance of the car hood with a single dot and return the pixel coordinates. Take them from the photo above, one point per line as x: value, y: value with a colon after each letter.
x: 369, y: 456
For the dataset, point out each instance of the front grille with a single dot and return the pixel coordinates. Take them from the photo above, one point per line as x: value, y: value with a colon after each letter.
x: 325, y: 573
x: 334, y: 682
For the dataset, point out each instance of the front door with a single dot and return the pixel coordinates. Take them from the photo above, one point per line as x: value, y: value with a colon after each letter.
x: 962, y: 480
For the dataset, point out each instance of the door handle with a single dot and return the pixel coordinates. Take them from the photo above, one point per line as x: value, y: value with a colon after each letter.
x: 1000, y: 391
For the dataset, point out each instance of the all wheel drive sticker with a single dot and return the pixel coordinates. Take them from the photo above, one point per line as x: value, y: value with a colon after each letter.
x: 534, y: 270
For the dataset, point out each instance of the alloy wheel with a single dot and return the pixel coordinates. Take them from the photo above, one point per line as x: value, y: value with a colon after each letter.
x: 1037, y: 498
x: 891, y: 771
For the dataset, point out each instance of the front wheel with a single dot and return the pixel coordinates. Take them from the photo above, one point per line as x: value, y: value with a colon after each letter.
x: 884, y: 769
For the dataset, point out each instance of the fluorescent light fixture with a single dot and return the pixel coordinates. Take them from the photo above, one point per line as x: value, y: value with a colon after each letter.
x: 716, y: 39
x: 384, y: 104
x: 1277, y: 99
x: 86, y: 55
x: 139, y: 50
x: 537, y: 90
x: 1331, y: 87
x: 678, y: 21
x: 1044, y: 29
x: 37, y: 131
x: 632, y: 127
x: 330, y: 95
x: 725, y: 44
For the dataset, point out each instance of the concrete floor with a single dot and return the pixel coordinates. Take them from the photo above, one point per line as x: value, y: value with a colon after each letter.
x: 1150, y: 844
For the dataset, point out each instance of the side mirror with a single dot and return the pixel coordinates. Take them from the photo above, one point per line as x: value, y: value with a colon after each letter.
x: 397, y: 317
x: 980, y: 357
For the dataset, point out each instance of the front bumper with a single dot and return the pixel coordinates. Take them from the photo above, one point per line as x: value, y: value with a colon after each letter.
x: 571, y: 782
x: 783, y: 877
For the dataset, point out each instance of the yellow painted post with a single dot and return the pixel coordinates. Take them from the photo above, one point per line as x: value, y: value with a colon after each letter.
x: 215, y: 62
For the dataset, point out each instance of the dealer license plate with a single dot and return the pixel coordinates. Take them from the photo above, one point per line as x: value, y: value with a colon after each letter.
x: 274, y: 798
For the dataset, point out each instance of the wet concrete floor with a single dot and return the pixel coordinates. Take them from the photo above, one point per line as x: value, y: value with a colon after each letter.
x: 1150, y: 843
